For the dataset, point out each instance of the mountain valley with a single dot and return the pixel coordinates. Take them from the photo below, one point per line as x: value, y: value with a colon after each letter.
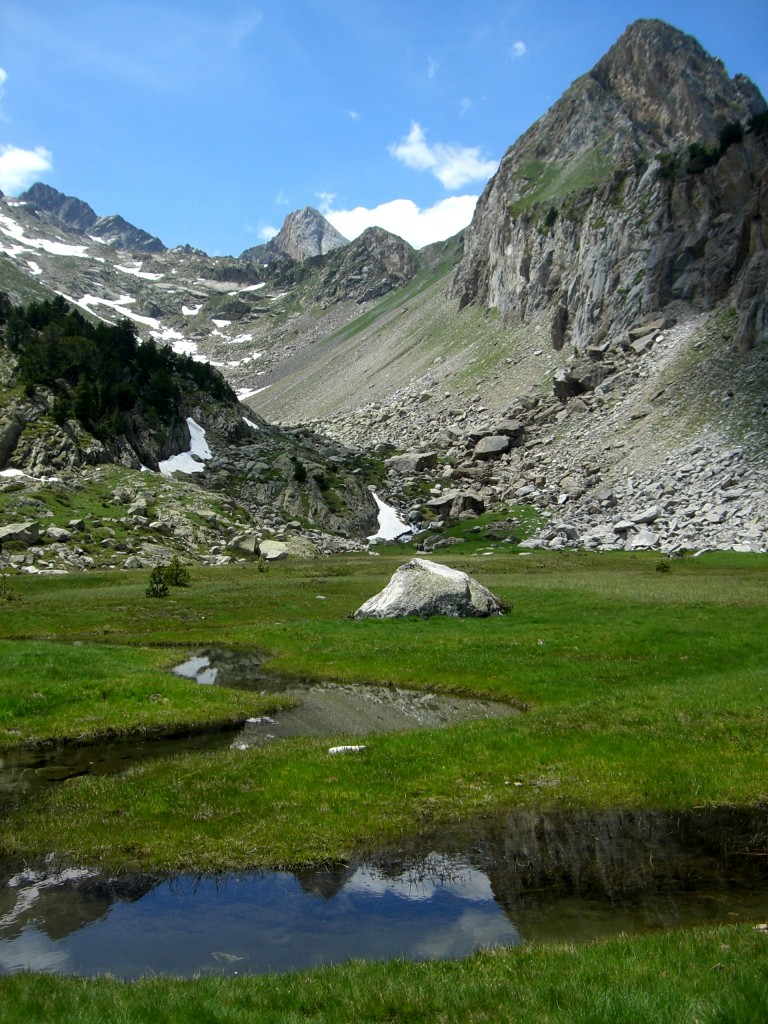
x: 586, y: 366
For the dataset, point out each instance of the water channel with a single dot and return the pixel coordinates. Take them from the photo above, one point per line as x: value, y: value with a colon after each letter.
x: 522, y: 877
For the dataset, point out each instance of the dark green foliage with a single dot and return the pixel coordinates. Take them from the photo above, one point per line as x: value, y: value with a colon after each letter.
x: 176, y: 574
x: 758, y: 123
x: 731, y: 135
x: 667, y: 166
x: 299, y: 471
x: 551, y: 217
x: 701, y: 157
x: 164, y: 576
x: 157, y: 585
x: 7, y: 592
x: 101, y: 374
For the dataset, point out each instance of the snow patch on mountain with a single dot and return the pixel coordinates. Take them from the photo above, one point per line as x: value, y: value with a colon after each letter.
x: 190, y: 461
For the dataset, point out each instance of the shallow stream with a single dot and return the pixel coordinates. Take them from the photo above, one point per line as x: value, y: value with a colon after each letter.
x: 523, y: 877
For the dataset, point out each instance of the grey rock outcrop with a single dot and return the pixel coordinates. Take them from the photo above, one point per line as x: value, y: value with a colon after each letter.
x: 305, y: 233
x: 423, y: 588
x: 76, y: 215
x: 595, y: 215
x: 371, y: 266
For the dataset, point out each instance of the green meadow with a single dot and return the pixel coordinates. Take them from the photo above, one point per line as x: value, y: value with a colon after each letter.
x: 638, y: 687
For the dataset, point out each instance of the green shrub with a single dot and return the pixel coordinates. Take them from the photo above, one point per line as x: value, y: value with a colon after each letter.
x: 157, y: 585
x: 164, y: 576
x: 176, y: 574
x: 732, y: 134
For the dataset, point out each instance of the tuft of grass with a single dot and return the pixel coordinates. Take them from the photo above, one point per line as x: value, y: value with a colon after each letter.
x: 707, y: 975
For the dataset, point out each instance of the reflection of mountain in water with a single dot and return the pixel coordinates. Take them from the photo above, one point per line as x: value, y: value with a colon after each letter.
x: 326, y: 881
x: 535, y: 857
x: 555, y: 875
x: 61, y: 901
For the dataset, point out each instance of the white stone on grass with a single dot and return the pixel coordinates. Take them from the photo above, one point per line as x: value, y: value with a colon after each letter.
x: 423, y: 588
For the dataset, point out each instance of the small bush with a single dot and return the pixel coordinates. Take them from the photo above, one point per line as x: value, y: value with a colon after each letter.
x: 663, y: 565
x: 175, y: 574
x: 157, y: 585
x: 667, y: 166
x: 731, y: 135
x: 701, y: 157
x: 6, y: 591
x: 164, y: 576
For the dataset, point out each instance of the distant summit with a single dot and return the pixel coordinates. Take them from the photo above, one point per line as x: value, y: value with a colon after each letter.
x: 75, y: 215
x: 305, y: 233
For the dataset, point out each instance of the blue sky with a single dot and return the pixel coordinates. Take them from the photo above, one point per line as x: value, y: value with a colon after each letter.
x: 207, y: 122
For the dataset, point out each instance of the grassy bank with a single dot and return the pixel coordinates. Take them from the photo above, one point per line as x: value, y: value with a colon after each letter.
x: 710, y: 976
x: 59, y: 691
x: 643, y: 689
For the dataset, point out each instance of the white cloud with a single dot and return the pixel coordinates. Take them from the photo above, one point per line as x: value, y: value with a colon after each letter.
x: 432, y: 68
x: 19, y: 168
x: 453, y: 166
x: 353, y: 115
x: 403, y: 217
x: 266, y: 232
x: 3, y: 80
x: 519, y: 49
x: 326, y: 200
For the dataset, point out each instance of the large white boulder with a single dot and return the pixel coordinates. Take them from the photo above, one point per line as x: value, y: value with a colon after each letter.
x: 425, y: 588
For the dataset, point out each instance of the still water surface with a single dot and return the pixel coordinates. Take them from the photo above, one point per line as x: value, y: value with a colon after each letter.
x: 528, y: 877
x: 524, y: 877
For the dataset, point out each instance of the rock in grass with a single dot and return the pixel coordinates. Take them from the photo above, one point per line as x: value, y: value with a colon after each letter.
x: 423, y: 588
x: 273, y: 550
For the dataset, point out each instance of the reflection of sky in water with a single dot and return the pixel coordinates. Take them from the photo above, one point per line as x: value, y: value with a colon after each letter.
x: 199, y: 669
x: 33, y: 951
x: 254, y: 924
x: 423, y: 882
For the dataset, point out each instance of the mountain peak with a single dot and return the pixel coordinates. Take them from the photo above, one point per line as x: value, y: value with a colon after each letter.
x: 305, y: 233
x: 76, y: 215
x: 669, y: 87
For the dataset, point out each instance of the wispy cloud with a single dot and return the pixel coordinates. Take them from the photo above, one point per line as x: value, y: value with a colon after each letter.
x: 403, y: 217
x: 325, y: 200
x: 465, y: 105
x: 266, y: 232
x: 518, y: 49
x: 3, y: 80
x: 353, y: 115
x: 432, y: 68
x: 19, y: 168
x: 454, y: 166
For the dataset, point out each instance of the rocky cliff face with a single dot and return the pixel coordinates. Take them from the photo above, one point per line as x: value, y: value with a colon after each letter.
x: 305, y: 233
x: 599, y: 215
x: 375, y: 263
x: 75, y: 215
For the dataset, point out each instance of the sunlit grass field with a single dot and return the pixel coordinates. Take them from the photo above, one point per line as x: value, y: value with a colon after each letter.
x: 640, y: 688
